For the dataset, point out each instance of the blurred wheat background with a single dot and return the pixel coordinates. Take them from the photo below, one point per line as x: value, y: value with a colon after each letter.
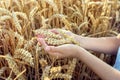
x: 21, y: 57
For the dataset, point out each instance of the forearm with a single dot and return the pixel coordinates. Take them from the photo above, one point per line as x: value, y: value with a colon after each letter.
x: 102, y: 69
x: 105, y: 44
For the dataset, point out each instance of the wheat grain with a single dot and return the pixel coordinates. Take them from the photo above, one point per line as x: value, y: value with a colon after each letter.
x: 54, y: 70
x: 43, y: 62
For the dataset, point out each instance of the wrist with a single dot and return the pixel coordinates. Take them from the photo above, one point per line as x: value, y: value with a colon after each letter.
x: 81, y: 52
x: 77, y: 38
x: 77, y: 52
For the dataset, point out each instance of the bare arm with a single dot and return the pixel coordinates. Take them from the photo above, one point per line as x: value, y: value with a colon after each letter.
x: 105, y: 71
x: 107, y: 45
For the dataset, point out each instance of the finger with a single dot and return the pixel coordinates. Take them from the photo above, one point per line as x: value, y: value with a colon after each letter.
x: 42, y: 42
x: 52, y: 49
x: 55, y: 31
x: 40, y: 36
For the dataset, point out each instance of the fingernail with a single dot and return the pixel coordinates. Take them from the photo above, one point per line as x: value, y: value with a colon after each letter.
x: 47, y: 48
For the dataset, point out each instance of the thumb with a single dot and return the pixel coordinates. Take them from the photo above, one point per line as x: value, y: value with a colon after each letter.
x: 54, y: 51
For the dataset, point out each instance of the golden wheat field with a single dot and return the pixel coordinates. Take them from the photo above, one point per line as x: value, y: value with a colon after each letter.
x: 21, y: 56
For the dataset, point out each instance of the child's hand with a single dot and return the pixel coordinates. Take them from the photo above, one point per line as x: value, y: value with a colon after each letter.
x: 66, y: 50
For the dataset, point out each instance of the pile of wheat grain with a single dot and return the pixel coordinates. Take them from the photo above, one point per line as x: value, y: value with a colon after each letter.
x: 22, y: 58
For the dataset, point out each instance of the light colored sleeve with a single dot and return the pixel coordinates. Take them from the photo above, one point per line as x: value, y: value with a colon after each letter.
x: 117, y: 62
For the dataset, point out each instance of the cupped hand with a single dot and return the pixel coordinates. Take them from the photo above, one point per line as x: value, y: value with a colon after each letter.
x: 74, y: 36
x: 62, y: 51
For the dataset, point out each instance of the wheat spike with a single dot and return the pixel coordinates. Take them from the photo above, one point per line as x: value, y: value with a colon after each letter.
x: 51, y: 2
x: 24, y: 55
x: 13, y: 65
x: 56, y: 42
x: 45, y: 72
x: 31, y: 15
x: 5, y: 11
x: 61, y: 76
x: 5, y: 17
x: 47, y: 33
x: 72, y: 66
x: 8, y: 3
x: 16, y: 22
x: 57, y: 16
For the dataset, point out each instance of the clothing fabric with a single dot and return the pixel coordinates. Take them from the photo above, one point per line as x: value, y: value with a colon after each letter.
x: 117, y: 62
